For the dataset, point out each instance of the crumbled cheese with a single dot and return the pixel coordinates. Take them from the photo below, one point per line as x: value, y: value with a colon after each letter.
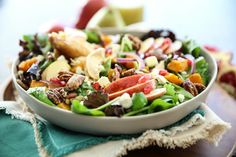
x: 161, y: 79
x: 125, y: 100
x: 151, y: 61
x: 181, y: 97
x: 104, y: 81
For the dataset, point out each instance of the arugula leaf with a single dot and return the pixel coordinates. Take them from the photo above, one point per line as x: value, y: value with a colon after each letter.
x: 170, y: 89
x: 38, y: 43
x: 84, y: 89
x: 126, y: 44
x: 181, y: 90
x: 106, y: 67
x: 202, y: 69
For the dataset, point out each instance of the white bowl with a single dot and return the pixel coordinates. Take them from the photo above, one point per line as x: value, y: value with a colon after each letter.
x: 116, y: 125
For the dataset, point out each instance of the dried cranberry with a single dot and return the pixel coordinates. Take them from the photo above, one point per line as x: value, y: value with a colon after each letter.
x: 96, y: 86
x: 58, y: 81
x: 163, y: 72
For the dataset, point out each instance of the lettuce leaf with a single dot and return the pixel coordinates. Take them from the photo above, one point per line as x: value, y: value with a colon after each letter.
x: 191, y: 47
x: 126, y: 44
x: 202, y: 68
x: 40, y: 94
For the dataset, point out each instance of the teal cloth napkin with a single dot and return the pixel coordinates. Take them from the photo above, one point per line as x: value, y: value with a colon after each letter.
x: 17, y: 137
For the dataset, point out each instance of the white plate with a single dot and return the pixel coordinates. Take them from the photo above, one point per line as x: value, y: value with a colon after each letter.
x: 116, y: 125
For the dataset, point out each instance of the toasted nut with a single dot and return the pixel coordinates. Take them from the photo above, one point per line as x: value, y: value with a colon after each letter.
x: 190, y: 87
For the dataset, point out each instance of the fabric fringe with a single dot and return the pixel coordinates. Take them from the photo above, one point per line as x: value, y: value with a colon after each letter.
x: 212, y: 133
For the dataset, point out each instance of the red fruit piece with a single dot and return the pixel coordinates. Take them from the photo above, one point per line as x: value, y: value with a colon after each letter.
x: 96, y: 86
x: 189, y: 62
x: 56, y: 28
x: 58, y: 82
x: 163, y: 72
x: 134, y: 89
x: 211, y: 48
x: 90, y: 8
x: 123, y: 83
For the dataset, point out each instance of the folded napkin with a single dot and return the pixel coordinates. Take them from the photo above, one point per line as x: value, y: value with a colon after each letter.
x: 52, y: 140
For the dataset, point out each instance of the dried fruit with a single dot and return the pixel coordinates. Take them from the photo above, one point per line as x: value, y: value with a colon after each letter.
x: 173, y: 78
x: 196, y: 78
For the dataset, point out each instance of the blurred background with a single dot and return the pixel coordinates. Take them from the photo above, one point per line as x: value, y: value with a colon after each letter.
x: 211, y: 22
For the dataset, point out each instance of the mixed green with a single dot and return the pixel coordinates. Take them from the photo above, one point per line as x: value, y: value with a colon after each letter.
x: 96, y: 74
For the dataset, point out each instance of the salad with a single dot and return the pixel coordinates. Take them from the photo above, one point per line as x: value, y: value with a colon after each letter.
x: 97, y: 74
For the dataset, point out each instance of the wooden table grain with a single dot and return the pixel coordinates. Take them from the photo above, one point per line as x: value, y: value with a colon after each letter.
x: 218, y: 100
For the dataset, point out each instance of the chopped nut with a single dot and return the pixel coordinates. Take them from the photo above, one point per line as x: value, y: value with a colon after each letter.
x: 71, y: 95
x: 128, y: 72
x: 74, y: 82
x: 136, y: 42
x: 190, y: 87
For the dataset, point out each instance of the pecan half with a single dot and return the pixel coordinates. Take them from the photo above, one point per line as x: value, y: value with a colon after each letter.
x: 136, y: 42
x: 74, y: 82
x: 190, y: 87
x: 200, y: 87
x: 128, y: 72
x: 57, y: 95
x: 64, y: 75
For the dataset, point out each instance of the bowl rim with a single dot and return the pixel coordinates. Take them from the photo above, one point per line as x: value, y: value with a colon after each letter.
x: 212, y: 79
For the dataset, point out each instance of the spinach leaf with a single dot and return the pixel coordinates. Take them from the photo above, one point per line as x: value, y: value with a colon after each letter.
x: 202, y: 69
x: 139, y: 101
x: 84, y: 89
x: 40, y: 94
x: 93, y: 37
x: 159, y: 105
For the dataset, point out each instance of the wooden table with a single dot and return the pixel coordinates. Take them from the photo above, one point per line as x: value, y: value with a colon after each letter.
x: 218, y: 100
